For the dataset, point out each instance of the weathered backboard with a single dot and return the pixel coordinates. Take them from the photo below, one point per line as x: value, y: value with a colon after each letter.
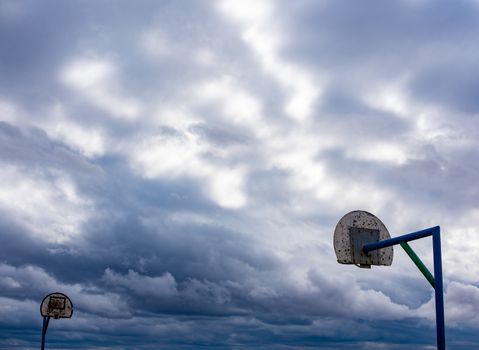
x: 56, y: 305
x: 353, y: 231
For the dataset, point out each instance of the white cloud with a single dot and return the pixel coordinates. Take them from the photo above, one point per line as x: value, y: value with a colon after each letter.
x: 14, y: 311
x: 53, y: 210
x: 460, y: 243
x: 8, y: 111
x: 226, y: 187
x: 175, y: 116
x: 85, y: 74
x: 182, y: 155
x: 391, y: 97
x: 88, y: 140
x: 461, y: 304
x: 380, y: 151
x: 155, y: 43
x: 170, y: 156
x: 95, y: 80
x: 235, y: 102
x: 206, y: 57
x: 264, y: 37
x: 298, y: 151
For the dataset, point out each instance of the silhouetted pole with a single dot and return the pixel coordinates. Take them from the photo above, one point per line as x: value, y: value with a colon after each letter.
x: 46, y: 320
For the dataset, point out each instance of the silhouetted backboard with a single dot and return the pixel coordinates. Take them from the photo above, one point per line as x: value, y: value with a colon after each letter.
x: 56, y: 305
x: 353, y: 231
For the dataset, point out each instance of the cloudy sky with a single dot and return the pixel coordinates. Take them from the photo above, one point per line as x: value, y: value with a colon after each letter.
x: 178, y: 168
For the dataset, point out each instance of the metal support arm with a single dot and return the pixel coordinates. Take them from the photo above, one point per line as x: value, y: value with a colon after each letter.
x: 435, y: 232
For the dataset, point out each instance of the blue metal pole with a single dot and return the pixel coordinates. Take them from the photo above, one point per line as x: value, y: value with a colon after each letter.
x: 397, y: 240
x: 440, y: 325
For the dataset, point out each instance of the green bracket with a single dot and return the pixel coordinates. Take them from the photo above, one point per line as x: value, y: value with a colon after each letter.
x: 420, y: 265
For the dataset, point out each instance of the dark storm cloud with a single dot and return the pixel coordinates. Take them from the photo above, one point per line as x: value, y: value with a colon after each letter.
x: 451, y: 84
x: 383, y: 36
x: 18, y: 248
x: 221, y: 135
x: 33, y: 148
x: 345, y: 114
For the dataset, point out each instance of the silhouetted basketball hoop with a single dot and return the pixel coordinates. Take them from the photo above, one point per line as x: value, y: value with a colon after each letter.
x: 56, y: 305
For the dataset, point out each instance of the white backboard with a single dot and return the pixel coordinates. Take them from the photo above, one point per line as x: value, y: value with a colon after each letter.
x: 353, y: 231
